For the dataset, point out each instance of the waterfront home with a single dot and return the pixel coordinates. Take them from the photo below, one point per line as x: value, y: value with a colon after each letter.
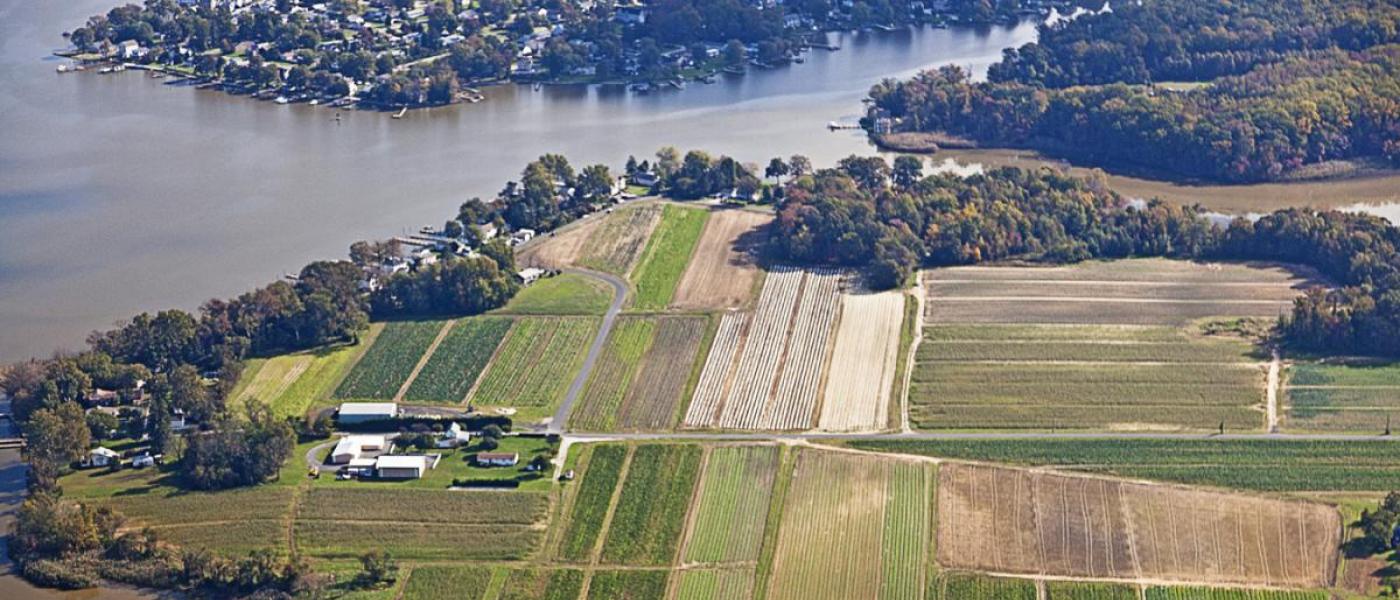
x: 130, y: 50
x: 101, y: 397
x: 360, y: 412
x: 101, y: 457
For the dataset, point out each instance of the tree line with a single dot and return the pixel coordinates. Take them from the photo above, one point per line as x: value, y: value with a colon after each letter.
x: 892, y: 221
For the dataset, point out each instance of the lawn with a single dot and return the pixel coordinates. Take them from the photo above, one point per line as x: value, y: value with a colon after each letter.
x: 1270, y: 465
x: 446, y: 583
x: 388, y: 363
x: 650, y: 514
x: 458, y: 360
x: 564, y: 294
x: 667, y: 253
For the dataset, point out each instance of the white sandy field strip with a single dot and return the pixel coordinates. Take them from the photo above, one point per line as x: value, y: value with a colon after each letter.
x: 714, y: 379
x: 795, y: 404
x: 863, y: 363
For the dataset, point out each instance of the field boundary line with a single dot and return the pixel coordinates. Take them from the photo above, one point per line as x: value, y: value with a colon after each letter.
x: 1272, y: 390
x: 423, y: 360
x: 1103, y: 300
x: 1100, y: 282
x: 490, y: 362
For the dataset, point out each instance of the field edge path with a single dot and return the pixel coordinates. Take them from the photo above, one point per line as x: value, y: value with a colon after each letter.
x: 561, y: 416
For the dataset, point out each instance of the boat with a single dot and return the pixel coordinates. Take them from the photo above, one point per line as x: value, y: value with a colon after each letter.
x: 105, y: 70
x: 118, y: 68
x: 281, y: 100
x: 62, y: 68
x: 640, y: 88
x: 798, y: 59
x: 315, y: 102
x: 538, y: 86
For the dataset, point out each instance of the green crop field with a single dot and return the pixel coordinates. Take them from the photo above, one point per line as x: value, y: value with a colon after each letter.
x: 232, y: 539
x: 732, y: 507
x: 1272, y: 465
x: 657, y: 393
x: 627, y: 585
x: 415, y: 541
x: 969, y: 586
x: 426, y: 506
x: 1385, y: 375
x: 590, y: 502
x: 536, y: 362
x: 293, y: 384
x: 1185, y: 593
x: 542, y: 584
x: 1065, y: 590
x: 666, y: 256
x: 905, y: 539
x: 731, y: 584
x: 387, y: 364
x: 1097, y: 374
x: 563, y: 294
x: 458, y: 360
x: 1089, y: 351
x: 613, y: 374
x: 446, y: 583
x: 265, y: 379
x: 1134, y: 416
x: 1345, y: 398
x: 650, y: 514
x: 997, y: 332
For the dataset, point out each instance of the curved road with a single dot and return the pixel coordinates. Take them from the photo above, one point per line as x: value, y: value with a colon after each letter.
x: 561, y: 416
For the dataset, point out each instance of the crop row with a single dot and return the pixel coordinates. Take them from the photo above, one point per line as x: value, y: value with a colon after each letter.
x: 446, y: 583
x: 1273, y: 465
x: 388, y: 363
x: 1191, y: 352
x: 906, y: 531
x: 927, y: 415
x: 1066, y: 590
x: 650, y: 515
x: 1387, y: 374
x: 423, y: 505
x: 1064, y: 391
x: 1079, y: 312
x: 731, y: 584
x: 796, y: 400
x: 994, y: 332
x: 969, y: 586
x: 590, y: 504
x: 1376, y: 421
x: 1186, y: 593
x: 627, y: 585
x: 657, y: 390
x: 667, y: 254
x: 415, y: 541
x: 614, y: 372
x: 540, y: 584
x: 458, y: 361
x: 972, y: 373
x: 536, y: 362
x: 615, y: 245
x: 232, y: 539
x: 759, y: 362
x: 709, y: 394
x: 732, y: 507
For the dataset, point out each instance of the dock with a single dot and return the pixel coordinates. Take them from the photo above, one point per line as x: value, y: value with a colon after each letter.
x: 402, y: 111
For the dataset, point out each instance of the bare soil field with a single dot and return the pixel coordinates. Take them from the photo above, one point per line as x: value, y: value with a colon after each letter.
x: 858, y: 387
x: 1004, y: 309
x: 722, y: 273
x: 766, y: 370
x: 562, y: 248
x: 616, y: 244
x: 1148, y: 270
x: 845, y: 528
x: 1038, y: 523
x: 656, y: 392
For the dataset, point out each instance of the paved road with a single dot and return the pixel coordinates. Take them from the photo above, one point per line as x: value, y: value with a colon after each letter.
x: 561, y: 416
x: 739, y: 436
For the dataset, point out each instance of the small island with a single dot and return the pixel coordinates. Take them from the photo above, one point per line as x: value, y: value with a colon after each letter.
x: 400, y: 54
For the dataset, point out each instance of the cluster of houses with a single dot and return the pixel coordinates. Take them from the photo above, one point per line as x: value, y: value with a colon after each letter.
x: 131, y: 409
x: 372, y: 456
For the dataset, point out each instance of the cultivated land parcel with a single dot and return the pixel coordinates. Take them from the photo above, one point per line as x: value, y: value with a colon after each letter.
x: 758, y: 363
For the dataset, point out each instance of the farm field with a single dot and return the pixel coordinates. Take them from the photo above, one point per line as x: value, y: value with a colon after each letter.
x: 667, y: 253
x: 627, y: 585
x: 1265, y: 465
x: 266, y: 379
x: 971, y: 586
x: 387, y: 364
x: 584, y: 522
x: 1019, y: 521
x: 613, y: 373
x: 641, y: 377
x: 722, y: 273
x: 1188, y: 593
x: 1065, y: 590
x: 565, y: 294
x: 697, y: 584
x: 541, y: 584
x: 1098, y: 345
x: 838, y: 511
x: 731, y: 508
x: 446, y: 583
x: 614, y: 245
x: 458, y: 360
x: 294, y: 384
x: 863, y: 363
x: 1357, y: 398
x: 536, y: 362
x: 650, y: 515
x: 766, y: 371
x: 561, y: 248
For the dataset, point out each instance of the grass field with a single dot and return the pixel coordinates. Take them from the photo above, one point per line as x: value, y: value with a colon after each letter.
x: 458, y: 361
x: 650, y: 515
x: 542, y: 584
x: 293, y: 384
x: 614, y: 245
x: 1378, y: 375
x: 563, y: 294
x: 584, y: 523
x: 667, y: 253
x: 627, y: 585
x: 536, y: 362
x: 732, y: 507
x: 971, y: 586
x: 1272, y: 465
x: 613, y: 374
x: 1185, y: 593
x: 387, y: 364
x: 446, y: 583
x: 265, y: 379
x: 1066, y: 590
x: 707, y: 584
x: 1099, y: 345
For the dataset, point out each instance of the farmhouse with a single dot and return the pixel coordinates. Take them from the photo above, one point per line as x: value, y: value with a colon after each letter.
x: 101, y: 457
x: 497, y: 459
x: 360, y: 412
x: 352, y: 447
x: 405, y: 467
x: 454, y: 436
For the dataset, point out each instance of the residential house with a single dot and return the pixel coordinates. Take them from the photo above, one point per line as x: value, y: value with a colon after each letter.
x: 530, y: 275
x: 130, y: 50
x: 454, y: 437
x: 101, y: 457
x: 497, y: 459
x: 101, y: 397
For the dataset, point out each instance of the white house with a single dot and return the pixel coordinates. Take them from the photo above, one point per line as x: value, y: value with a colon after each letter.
x: 130, y: 49
x: 530, y: 275
x: 405, y: 467
x: 497, y: 459
x: 360, y: 412
x: 454, y: 436
x: 143, y: 461
x: 352, y: 447
x: 101, y: 457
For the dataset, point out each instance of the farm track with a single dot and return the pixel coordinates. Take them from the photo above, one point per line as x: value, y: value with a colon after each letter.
x: 561, y: 415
